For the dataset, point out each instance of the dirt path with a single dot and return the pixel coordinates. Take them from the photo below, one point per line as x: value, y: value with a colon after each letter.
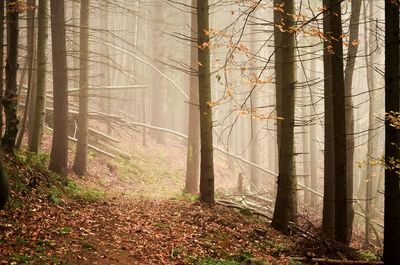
x: 129, y: 231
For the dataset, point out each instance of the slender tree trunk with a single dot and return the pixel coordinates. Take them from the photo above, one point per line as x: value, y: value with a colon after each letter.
x: 159, y: 92
x: 80, y: 163
x: 348, y: 81
x: 1, y: 65
x: 254, y: 128
x: 369, y: 61
x: 328, y: 216
x: 40, y: 103
x: 306, y: 153
x: 391, y: 252
x: 285, y: 89
x: 10, y: 101
x: 193, y: 147
x: 30, y: 16
x: 59, y: 147
x: 333, y: 32
x: 206, y: 125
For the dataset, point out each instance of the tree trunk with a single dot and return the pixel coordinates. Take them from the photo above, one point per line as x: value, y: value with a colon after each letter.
x: 328, y: 216
x: 10, y: 101
x: 35, y: 141
x: 348, y: 81
x: 285, y: 90
x: 30, y: 17
x: 391, y: 252
x: 159, y: 93
x: 254, y: 124
x: 206, y: 126
x: 59, y: 147
x: 333, y: 32
x: 80, y: 162
x: 193, y: 148
x: 1, y: 65
x: 369, y: 61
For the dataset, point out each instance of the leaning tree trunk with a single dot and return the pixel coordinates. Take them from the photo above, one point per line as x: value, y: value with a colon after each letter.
x: 10, y: 101
x: 193, y: 148
x: 59, y: 147
x: 285, y: 90
x: 333, y: 32
x: 206, y: 137
x: 348, y: 82
x: 80, y: 163
x: 391, y: 252
x: 35, y: 141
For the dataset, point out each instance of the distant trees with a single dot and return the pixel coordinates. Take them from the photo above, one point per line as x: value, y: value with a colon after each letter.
x: 10, y: 101
x: 391, y: 253
x: 80, y: 162
x: 206, y: 123
x: 59, y: 147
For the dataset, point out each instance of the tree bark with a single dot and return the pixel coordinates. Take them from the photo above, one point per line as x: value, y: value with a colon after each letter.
x: 206, y: 135
x: 59, y: 147
x: 10, y: 100
x: 80, y: 162
x: 193, y: 147
x: 35, y: 141
x: 348, y: 81
x: 369, y: 61
x: 333, y: 20
x: 328, y: 212
x: 30, y: 17
x: 391, y: 252
x: 1, y: 64
x: 285, y: 90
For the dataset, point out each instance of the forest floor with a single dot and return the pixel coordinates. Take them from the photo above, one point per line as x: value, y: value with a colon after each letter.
x: 115, y: 215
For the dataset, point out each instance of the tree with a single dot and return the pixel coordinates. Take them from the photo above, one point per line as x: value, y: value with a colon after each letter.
x: 59, y: 147
x: 193, y: 149
x: 1, y: 63
x: 35, y: 140
x: 328, y: 212
x: 391, y: 252
x: 10, y: 101
x: 206, y: 137
x: 30, y: 38
x: 335, y: 101
x: 285, y: 87
x: 80, y: 162
x: 4, y: 187
x: 348, y: 82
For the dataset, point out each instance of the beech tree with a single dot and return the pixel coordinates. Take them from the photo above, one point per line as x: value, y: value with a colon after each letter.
x: 193, y: 148
x: 391, y: 252
x: 10, y: 100
x: 80, y: 162
x: 59, y: 147
x: 31, y: 86
x: 285, y: 86
x: 335, y: 128
x: 206, y: 125
x: 1, y: 63
x: 35, y: 139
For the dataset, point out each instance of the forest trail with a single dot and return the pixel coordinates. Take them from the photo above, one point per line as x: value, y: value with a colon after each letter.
x: 121, y: 213
x: 133, y: 231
